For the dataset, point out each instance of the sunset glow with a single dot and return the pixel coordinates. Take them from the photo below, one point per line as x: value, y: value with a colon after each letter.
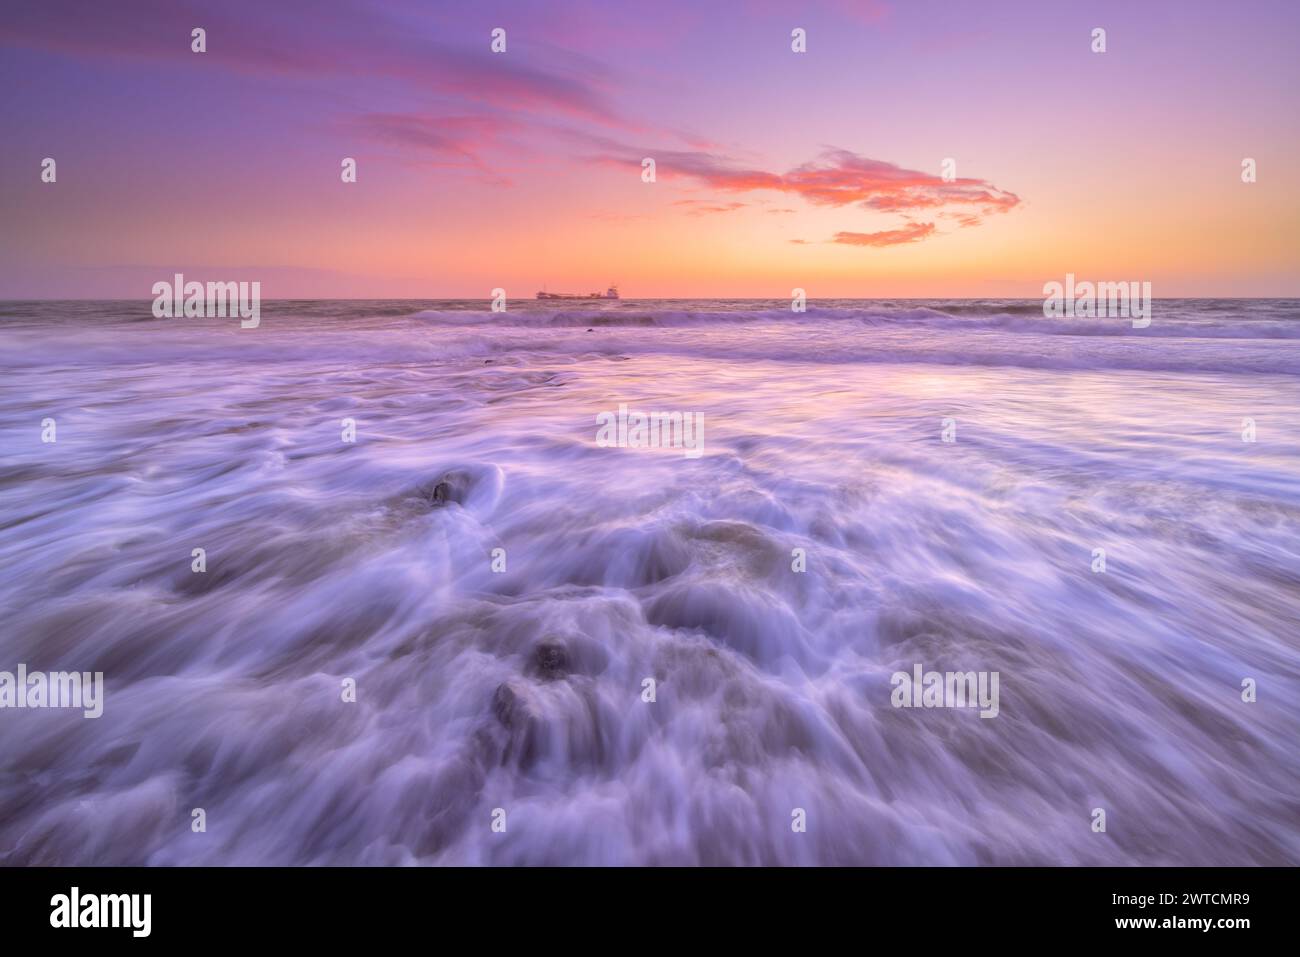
x: 517, y: 170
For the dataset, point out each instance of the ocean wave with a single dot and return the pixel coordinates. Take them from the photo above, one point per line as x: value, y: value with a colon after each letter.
x: 500, y: 587
x: 1272, y: 319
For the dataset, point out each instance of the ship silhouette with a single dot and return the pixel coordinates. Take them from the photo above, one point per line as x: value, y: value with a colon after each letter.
x: 610, y: 293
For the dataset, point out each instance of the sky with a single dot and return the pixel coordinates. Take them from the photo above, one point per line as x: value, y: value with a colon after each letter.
x: 774, y: 169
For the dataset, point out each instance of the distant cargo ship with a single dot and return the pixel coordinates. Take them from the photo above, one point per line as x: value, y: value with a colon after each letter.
x: 610, y: 293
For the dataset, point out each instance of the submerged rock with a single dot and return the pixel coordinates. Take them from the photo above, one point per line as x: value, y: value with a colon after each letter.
x: 550, y: 659
x: 518, y: 714
x: 745, y: 619
x: 473, y: 487
x: 509, y: 706
x: 451, y: 487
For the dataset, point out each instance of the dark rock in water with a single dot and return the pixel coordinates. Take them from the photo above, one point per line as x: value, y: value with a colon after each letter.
x: 452, y: 487
x: 508, y: 706
x: 589, y: 330
x: 487, y: 362
x: 473, y: 486
x: 550, y: 659
x: 522, y: 722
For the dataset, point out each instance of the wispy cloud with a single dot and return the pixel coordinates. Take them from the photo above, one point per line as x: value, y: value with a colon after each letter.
x: 356, y: 41
x: 701, y: 207
x: 911, y: 233
x: 836, y: 178
x: 463, y: 96
x: 444, y: 140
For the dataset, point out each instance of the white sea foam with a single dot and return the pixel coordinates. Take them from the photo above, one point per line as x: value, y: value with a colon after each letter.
x: 480, y: 688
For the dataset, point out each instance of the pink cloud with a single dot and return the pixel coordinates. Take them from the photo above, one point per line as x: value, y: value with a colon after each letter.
x: 836, y: 178
x: 841, y: 178
x: 912, y: 233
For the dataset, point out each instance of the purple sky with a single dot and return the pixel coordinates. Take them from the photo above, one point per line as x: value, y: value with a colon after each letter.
x: 774, y: 169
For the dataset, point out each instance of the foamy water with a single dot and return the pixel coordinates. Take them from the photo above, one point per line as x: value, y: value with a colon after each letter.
x: 522, y: 690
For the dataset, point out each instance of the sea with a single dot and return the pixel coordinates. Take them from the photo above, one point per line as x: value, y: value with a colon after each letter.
x: 367, y: 584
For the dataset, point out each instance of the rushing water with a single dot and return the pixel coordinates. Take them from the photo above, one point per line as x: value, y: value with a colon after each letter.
x: 522, y: 689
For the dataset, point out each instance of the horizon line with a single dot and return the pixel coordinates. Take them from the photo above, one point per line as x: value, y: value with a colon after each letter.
x: 149, y: 299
